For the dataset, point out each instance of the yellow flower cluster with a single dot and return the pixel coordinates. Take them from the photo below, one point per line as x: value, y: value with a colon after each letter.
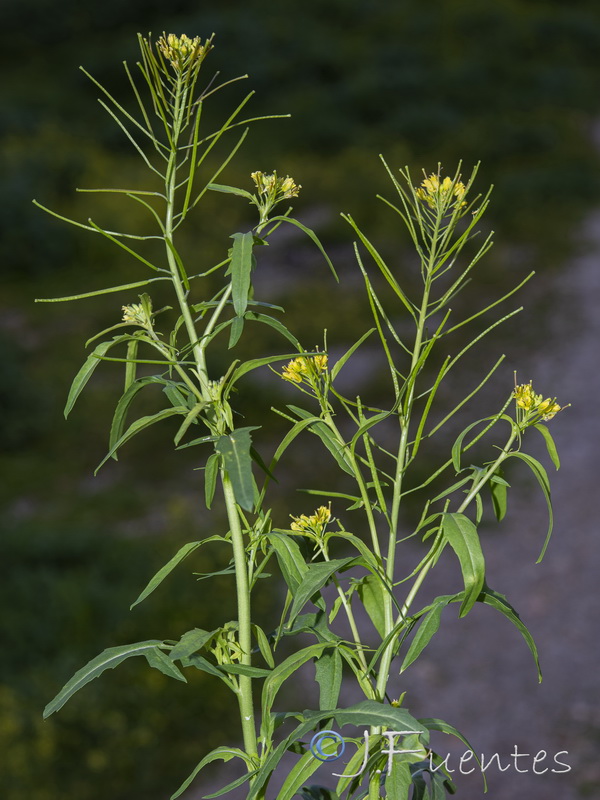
x: 135, y: 314
x: 436, y: 193
x: 303, y: 368
x: 181, y: 51
x: 312, y: 524
x: 275, y: 188
x: 531, y: 402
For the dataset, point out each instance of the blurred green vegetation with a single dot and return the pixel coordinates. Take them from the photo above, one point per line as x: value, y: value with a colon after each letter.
x: 512, y: 84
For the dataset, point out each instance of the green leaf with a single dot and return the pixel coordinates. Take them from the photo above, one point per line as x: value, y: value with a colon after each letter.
x: 200, y: 663
x: 498, y: 489
x: 190, y: 417
x: 298, y: 775
x: 373, y: 597
x: 254, y: 363
x: 211, y: 472
x: 263, y: 645
x: 235, y: 452
x: 190, y: 642
x: 122, y: 407
x: 457, y: 446
x: 328, y: 673
x: 160, y: 661
x: 340, y: 362
x: 398, y: 781
x: 220, y: 753
x: 463, y: 538
x: 290, y: 559
x: 550, y: 445
x: 315, y: 577
x: 139, y: 425
x: 218, y: 187
x: 108, y: 659
x: 499, y: 602
x: 241, y: 270
x: 314, y: 792
x: 233, y: 785
x: 244, y: 669
x: 542, y: 478
x: 433, y: 724
x: 428, y: 627
x: 275, y: 324
x: 271, y: 762
x: 87, y: 370
x: 312, y: 236
x: 237, y: 328
x: 281, y: 673
x: 370, y: 712
x: 327, y: 436
x: 170, y: 566
x: 124, y: 287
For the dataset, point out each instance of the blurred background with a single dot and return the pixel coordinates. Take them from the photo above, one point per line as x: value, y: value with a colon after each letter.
x: 515, y: 85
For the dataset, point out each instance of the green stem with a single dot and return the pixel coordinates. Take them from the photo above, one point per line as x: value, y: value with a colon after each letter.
x: 433, y: 556
x: 245, y: 700
x: 351, y: 620
x: 364, y: 495
x: 404, y: 420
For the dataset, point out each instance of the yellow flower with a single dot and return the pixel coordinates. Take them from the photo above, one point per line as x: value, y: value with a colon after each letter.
x: 314, y: 524
x: 275, y: 188
x: 437, y: 194
x: 181, y: 51
x: 533, y: 403
x: 548, y: 408
x: 303, y: 368
x: 134, y: 314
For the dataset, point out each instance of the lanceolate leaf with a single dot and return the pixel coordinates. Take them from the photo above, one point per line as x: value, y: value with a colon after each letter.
x: 340, y: 362
x: 108, y: 659
x: 428, y: 627
x: 550, y: 446
x: 326, y: 435
x: 170, y: 566
x: 542, y: 478
x: 372, y: 595
x: 498, y: 489
x: 139, y: 425
x: 241, y: 270
x: 433, y: 724
x: 190, y: 642
x: 370, y: 712
x: 235, y: 452
x: 159, y: 660
x: 463, y: 538
x: 499, y: 602
x: 315, y: 577
x: 122, y: 407
x: 218, y: 187
x: 281, y: 672
x: 87, y: 370
x: 211, y: 472
x: 298, y: 775
x: 291, y: 561
x: 221, y: 754
x: 328, y: 669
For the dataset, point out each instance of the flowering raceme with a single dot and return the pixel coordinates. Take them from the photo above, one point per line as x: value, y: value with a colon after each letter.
x: 437, y: 194
x: 533, y: 403
x: 181, y: 51
x: 304, y: 369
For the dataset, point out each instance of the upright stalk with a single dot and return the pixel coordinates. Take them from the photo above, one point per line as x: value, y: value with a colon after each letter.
x: 245, y: 700
x: 244, y: 691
